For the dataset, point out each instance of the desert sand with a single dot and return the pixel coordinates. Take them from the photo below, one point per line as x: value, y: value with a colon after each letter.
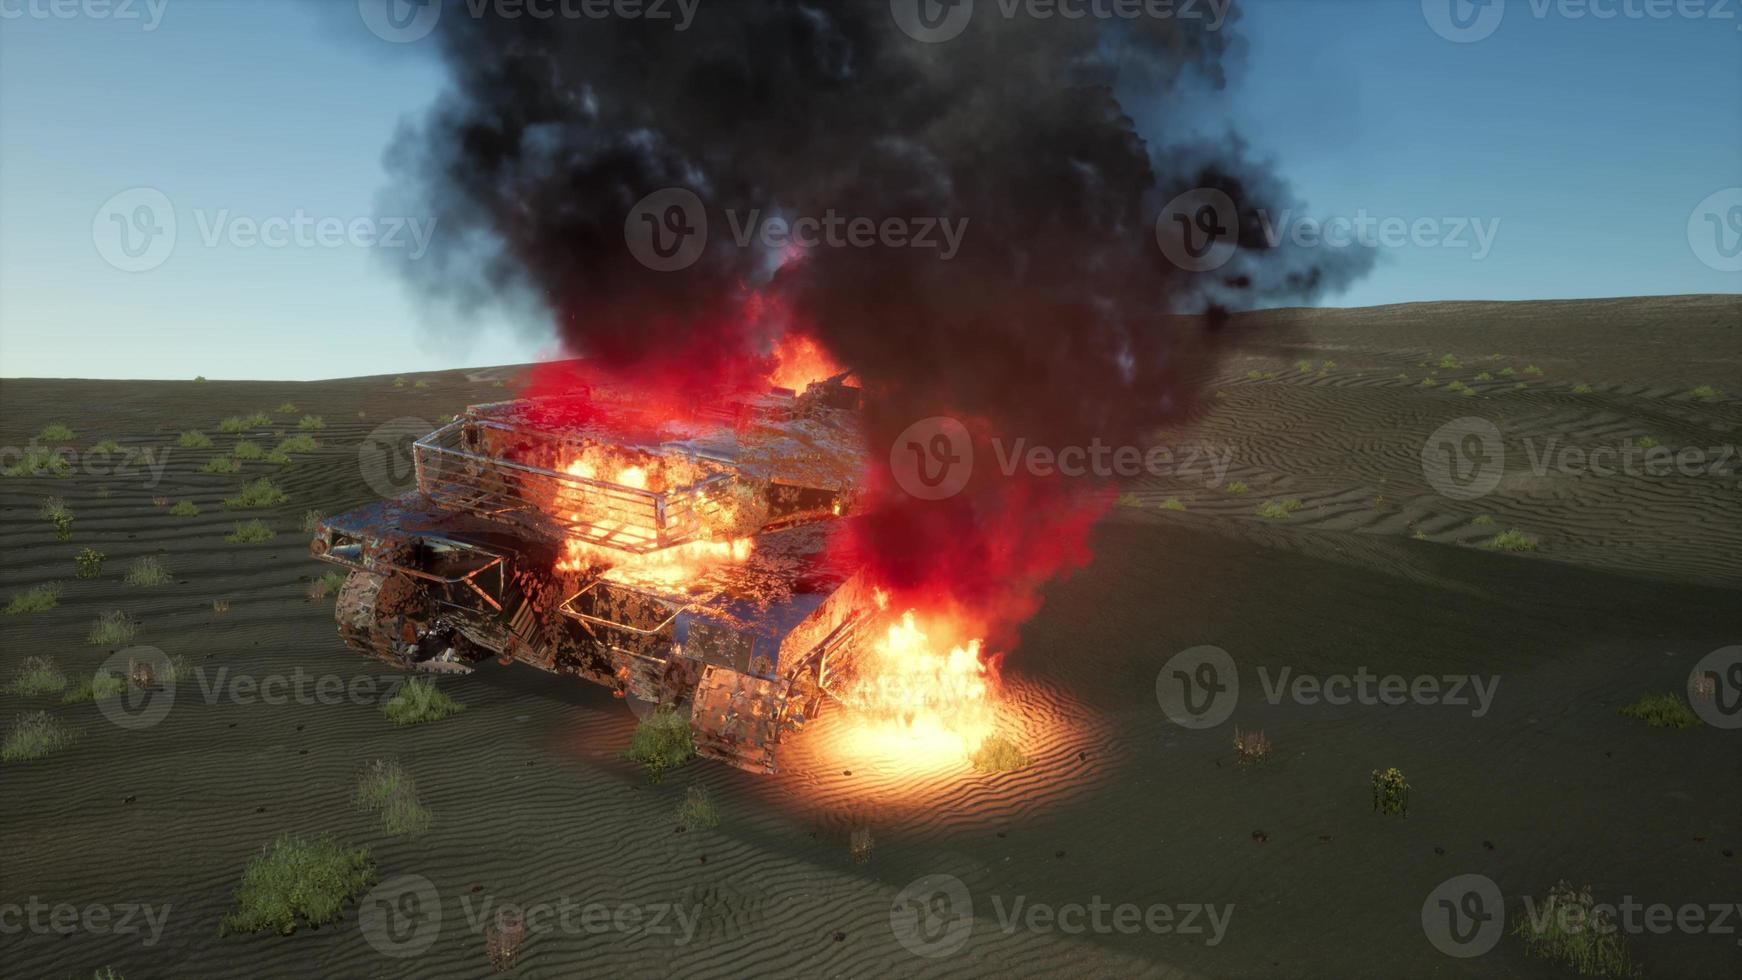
x: 1633, y: 579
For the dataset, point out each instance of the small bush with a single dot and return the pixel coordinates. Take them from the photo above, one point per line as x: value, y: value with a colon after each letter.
x: 250, y: 532
x: 1646, y: 442
x: 186, y: 508
x: 1304, y: 367
x: 386, y: 788
x: 1450, y: 362
x: 1390, y: 792
x: 298, y: 880
x: 54, y: 509
x: 236, y: 424
x: 221, y: 464
x: 1250, y: 748
x: 36, y: 677
x: 662, y: 741
x: 1429, y: 382
x: 1662, y: 711
x: 37, y: 598
x: 194, y: 439
x: 1706, y: 391
x: 55, y: 432
x: 311, y: 423
x: 278, y: 457
x: 297, y: 444
x: 1484, y: 376
x: 860, y: 844
x: 1513, y: 540
x: 1129, y: 500
x: 311, y: 519
x: 287, y: 409
x: 247, y: 450
x: 1533, y: 370
x: 1507, y: 372
x: 97, y: 687
x: 998, y: 754
x: 88, y: 563
x: 1172, y: 503
x: 34, y: 736
x: 1237, y: 486
x: 326, y: 585
x: 257, y: 493
x: 1255, y: 375
x: 1279, y: 510
x: 107, y: 446
x: 419, y: 701
x: 1482, y: 520
x: 148, y: 572
x: 697, y: 811
x: 420, y: 383
x: 37, y: 461
x: 1572, y: 928
x: 112, y: 629
x: 1582, y: 389
x: 398, y: 382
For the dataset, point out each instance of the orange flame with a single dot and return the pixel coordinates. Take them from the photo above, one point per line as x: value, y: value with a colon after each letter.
x: 799, y: 361
x: 912, y: 698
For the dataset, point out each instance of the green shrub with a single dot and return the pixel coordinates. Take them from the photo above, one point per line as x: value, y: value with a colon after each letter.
x: 56, y: 511
x: 186, y: 508
x: 97, y: 687
x: 1279, y: 510
x: 1706, y: 391
x: 1646, y: 442
x: 247, y: 450
x: 237, y: 424
x: 1429, y: 382
x: 998, y: 754
x: 1172, y: 503
x: 37, y: 598
x: 278, y: 457
x: 697, y: 811
x: 1304, y: 367
x: 287, y: 409
x: 221, y: 464
x: 1507, y: 372
x: 1484, y: 376
x: 1572, y: 928
x: 297, y: 444
x: 1129, y: 500
x: 55, y: 432
x: 1450, y: 362
x: 662, y: 741
x: 106, y: 446
x: 88, y: 563
x: 1390, y: 792
x: 194, y: 439
x: 1582, y: 389
x: 148, y: 572
x: 1482, y: 520
x: 1533, y: 370
x: 1662, y: 711
x: 398, y: 382
x: 311, y: 519
x: 37, y: 461
x: 419, y: 701
x: 310, y: 423
x: 331, y: 582
x: 1237, y: 486
x: 112, y: 629
x: 420, y: 383
x: 386, y: 788
x: 250, y: 532
x: 33, y: 736
x: 257, y: 493
x: 298, y: 880
x: 37, y: 676
x: 1513, y: 540
x: 1255, y: 375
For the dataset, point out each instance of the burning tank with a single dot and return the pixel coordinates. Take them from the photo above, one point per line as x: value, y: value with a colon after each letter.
x: 679, y: 563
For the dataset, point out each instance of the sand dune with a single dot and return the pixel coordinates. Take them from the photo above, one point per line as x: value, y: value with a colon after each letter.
x: 1633, y: 580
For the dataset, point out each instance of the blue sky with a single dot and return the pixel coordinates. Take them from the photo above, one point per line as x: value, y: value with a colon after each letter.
x: 1583, y: 145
